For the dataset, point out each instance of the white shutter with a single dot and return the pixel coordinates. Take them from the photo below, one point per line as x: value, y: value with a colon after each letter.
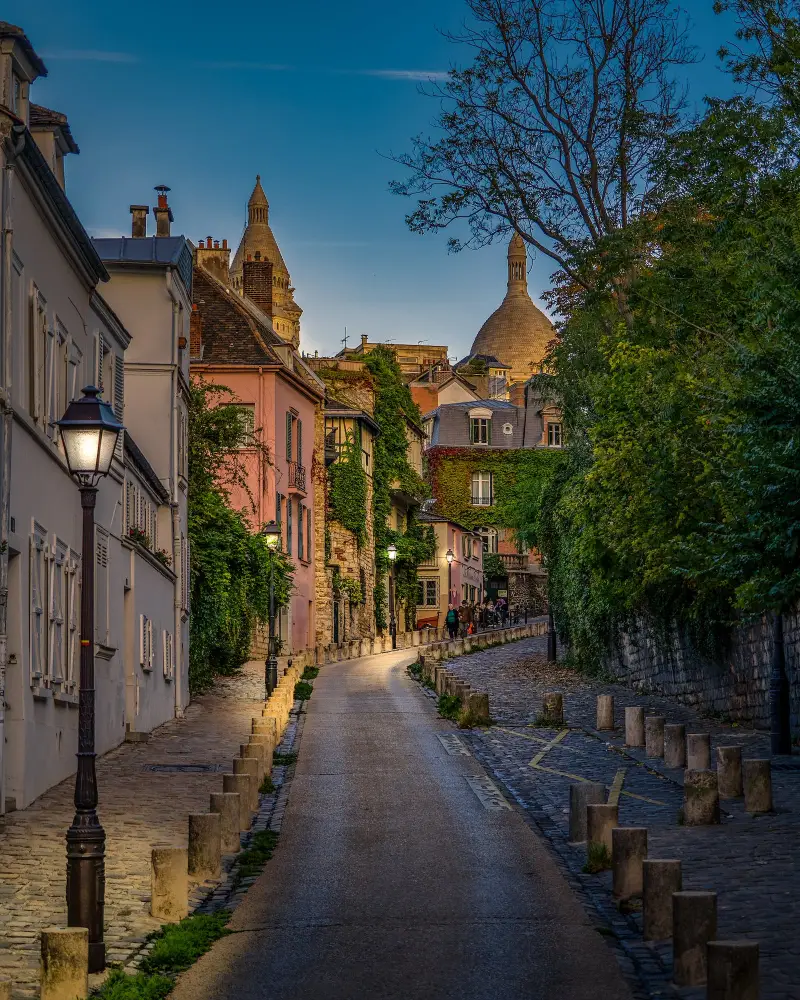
x: 37, y: 616
x: 101, y: 586
x: 73, y: 618
x: 169, y: 662
x: 119, y: 400
x: 145, y: 642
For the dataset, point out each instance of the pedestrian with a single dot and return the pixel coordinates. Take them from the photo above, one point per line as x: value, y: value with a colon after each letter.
x: 451, y: 621
x: 463, y: 620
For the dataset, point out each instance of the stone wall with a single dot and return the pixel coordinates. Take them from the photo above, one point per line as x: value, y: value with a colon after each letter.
x: 734, y: 683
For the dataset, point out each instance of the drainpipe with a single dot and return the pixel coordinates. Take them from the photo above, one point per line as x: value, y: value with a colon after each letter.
x: 5, y: 446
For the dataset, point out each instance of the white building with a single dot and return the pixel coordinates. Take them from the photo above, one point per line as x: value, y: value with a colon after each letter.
x: 57, y: 334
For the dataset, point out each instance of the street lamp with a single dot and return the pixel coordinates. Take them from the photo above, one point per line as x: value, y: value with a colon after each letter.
x: 272, y: 536
x: 449, y: 556
x: 780, y: 718
x: 89, y: 433
x: 391, y: 552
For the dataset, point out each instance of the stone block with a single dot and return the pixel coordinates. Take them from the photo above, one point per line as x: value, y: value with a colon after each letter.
x: 205, y: 845
x: 65, y: 963
x: 5, y: 986
x: 660, y: 879
x: 240, y: 784
x: 628, y: 851
x: 553, y: 707
x: 698, y: 751
x: 169, y: 883
x: 226, y: 805
x: 732, y: 970
x: 654, y: 735
x: 675, y: 745
x: 250, y: 767
x: 440, y: 680
x: 700, y: 798
x: 694, y: 924
x: 457, y: 647
x: 757, y: 780
x: 479, y: 706
x: 605, y: 711
x: 729, y: 772
x: 634, y: 726
x: 257, y: 750
x: 415, y: 638
x: 600, y: 821
x: 581, y: 795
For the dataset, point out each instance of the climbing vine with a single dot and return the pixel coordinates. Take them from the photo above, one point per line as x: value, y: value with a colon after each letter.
x: 347, y: 484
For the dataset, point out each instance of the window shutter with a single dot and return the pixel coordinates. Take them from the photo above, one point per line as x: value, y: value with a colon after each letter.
x: 299, y: 442
x: 472, y: 430
x: 489, y: 431
x: 101, y: 587
x: 288, y: 437
x: 119, y: 401
x: 308, y: 537
x: 37, y: 605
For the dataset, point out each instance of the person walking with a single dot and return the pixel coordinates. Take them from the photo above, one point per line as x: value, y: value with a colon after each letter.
x: 451, y: 621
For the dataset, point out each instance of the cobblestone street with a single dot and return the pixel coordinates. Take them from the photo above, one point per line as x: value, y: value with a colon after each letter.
x: 147, y: 790
x: 751, y: 863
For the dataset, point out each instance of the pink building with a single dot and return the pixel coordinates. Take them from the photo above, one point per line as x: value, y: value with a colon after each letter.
x: 233, y: 343
x: 444, y: 581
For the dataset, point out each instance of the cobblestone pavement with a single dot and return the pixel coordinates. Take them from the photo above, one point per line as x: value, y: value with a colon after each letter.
x: 141, y: 803
x: 752, y: 863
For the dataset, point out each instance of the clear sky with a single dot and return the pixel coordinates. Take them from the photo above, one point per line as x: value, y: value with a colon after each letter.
x: 202, y: 96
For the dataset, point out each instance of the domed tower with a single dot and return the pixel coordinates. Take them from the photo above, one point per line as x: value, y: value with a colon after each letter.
x: 516, y: 333
x: 258, y: 236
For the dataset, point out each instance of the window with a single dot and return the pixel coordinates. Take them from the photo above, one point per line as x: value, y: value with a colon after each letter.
x: 497, y: 387
x: 480, y: 430
x: 73, y: 612
x: 466, y: 546
x: 554, y: 435
x: 247, y: 418
x: 300, y: 527
x: 57, y: 602
x: 185, y: 570
x: 279, y: 513
x: 308, y: 537
x: 101, y: 586
x: 183, y: 452
x: 145, y: 643
x: 428, y: 593
x: 169, y: 656
x: 472, y: 594
x: 490, y: 539
x: 38, y: 602
x: 37, y: 357
x: 482, y: 489
x: 289, y: 429
x: 289, y: 506
x: 299, y: 442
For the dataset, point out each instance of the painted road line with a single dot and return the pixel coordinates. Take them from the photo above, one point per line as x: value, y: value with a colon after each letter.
x: 549, y: 746
x: 578, y: 777
x: 536, y: 739
x: 454, y: 746
x: 488, y: 793
x: 616, y: 788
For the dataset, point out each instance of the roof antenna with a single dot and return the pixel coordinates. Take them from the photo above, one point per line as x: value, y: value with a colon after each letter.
x: 344, y: 338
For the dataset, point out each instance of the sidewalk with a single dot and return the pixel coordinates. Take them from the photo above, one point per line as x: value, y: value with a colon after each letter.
x: 146, y: 790
x: 752, y: 863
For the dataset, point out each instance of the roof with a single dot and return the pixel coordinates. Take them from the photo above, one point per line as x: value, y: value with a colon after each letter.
x: 428, y: 518
x: 337, y: 410
x: 488, y: 359
x: 144, y: 468
x: 258, y: 235
x: 149, y: 251
x: 46, y: 118
x: 28, y: 153
x: 8, y: 30
x: 474, y: 404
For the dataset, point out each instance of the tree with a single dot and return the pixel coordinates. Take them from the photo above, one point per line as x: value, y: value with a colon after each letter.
x: 553, y: 129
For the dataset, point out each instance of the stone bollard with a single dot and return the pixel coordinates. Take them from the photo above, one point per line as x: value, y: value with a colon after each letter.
x: 729, y: 772
x: 65, y: 963
x: 732, y: 970
x: 654, y: 735
x: 757, y: 775
x: 169, y: 883
x: 698, y: 751
x: 605, y: 711
x: 694, y: 924
x: 700, y: 798
x: 249, y: 766
x: 240, y: 783
x: 462, y: 691
x: 205, y: 845
x: 660, y: 879
x: 256, y: 750
x: 600, y: 821
x: 628, y: 851
x: 553, y: 707
x: 580, y: 796
x: 440, y: 680
x: 479, y: 706
x: 675, y: 745
x: 226, y: 805
x: 634, y: 726
x: 5, y: 984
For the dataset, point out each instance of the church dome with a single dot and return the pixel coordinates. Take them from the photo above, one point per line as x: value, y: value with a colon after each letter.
x: 517, y: 332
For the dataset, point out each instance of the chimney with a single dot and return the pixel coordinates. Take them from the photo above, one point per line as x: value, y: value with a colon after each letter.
x: 257, y: 282
x: 139, y: 221
x: 162, y: 211
x: 214, y: 258
x: 364, y: 342
x: 195, y: 334
x: 516, y: 393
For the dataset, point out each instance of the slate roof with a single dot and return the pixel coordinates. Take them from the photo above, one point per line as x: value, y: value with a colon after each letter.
x: 428, y: 518
x: 41, y: 117
x: 155, y: 251
x: 145, y: 469
x: 8, y: 30
x: 489, y: 360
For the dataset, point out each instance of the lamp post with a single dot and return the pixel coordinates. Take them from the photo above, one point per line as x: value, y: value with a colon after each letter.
x: 391, y: 552
x: 780, y: 717
x: 89, y: 433
x: 272, y: 536
x: 449, y: 556
x: 552, y: 653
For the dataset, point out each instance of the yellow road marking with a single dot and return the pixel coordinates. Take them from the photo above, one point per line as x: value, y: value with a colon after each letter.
x: 537, y: 739
x: 577, y: 777
x: 616, y: 788
x: 549, y: 746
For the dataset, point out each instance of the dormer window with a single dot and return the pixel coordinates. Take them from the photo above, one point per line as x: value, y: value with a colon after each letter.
x: 480, y: 430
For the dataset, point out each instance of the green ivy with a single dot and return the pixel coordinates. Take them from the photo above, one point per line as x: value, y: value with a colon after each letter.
x: 350, y: 588
x: 347, y: 489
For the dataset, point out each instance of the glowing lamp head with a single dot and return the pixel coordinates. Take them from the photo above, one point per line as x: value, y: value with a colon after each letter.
x: 89, y: 432
x: 450, y: 555
x: 391, y: 552
x: 272, y: 534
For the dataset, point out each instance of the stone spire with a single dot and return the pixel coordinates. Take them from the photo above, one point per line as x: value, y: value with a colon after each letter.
x: 517, y: 266
x: 258, y: 206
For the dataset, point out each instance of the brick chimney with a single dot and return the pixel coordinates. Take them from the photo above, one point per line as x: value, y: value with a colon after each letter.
x: 162, y: 211
x: 257, y: 282
x: 139, y: 221
x: 195, y: 334
x: 516, y: 393
x: 214, y: 258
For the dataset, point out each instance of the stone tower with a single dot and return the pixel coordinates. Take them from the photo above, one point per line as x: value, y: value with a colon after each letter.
x: 258, y: 238
x: 517, y: 333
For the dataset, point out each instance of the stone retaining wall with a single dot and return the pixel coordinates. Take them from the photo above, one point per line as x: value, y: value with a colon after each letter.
x: 734, y: 683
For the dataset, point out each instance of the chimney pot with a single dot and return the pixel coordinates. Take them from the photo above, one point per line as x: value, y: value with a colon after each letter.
x: 258, y: 255
x: 249, y: 257
x: 216, y: 244
x: 208, y: 242
x: 139, y: 215
x: 162, y: 211
x: 224, y: 244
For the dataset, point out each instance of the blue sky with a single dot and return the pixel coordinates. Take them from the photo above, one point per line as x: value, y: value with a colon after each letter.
x: 202, y: 96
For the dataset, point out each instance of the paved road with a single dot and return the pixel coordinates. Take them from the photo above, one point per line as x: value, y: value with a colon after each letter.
x: 393, y: 880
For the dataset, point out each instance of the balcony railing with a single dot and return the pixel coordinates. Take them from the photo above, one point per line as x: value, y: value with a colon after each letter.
x: 297, y: 477
x: 513, y: 561
x: 482, y: 500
